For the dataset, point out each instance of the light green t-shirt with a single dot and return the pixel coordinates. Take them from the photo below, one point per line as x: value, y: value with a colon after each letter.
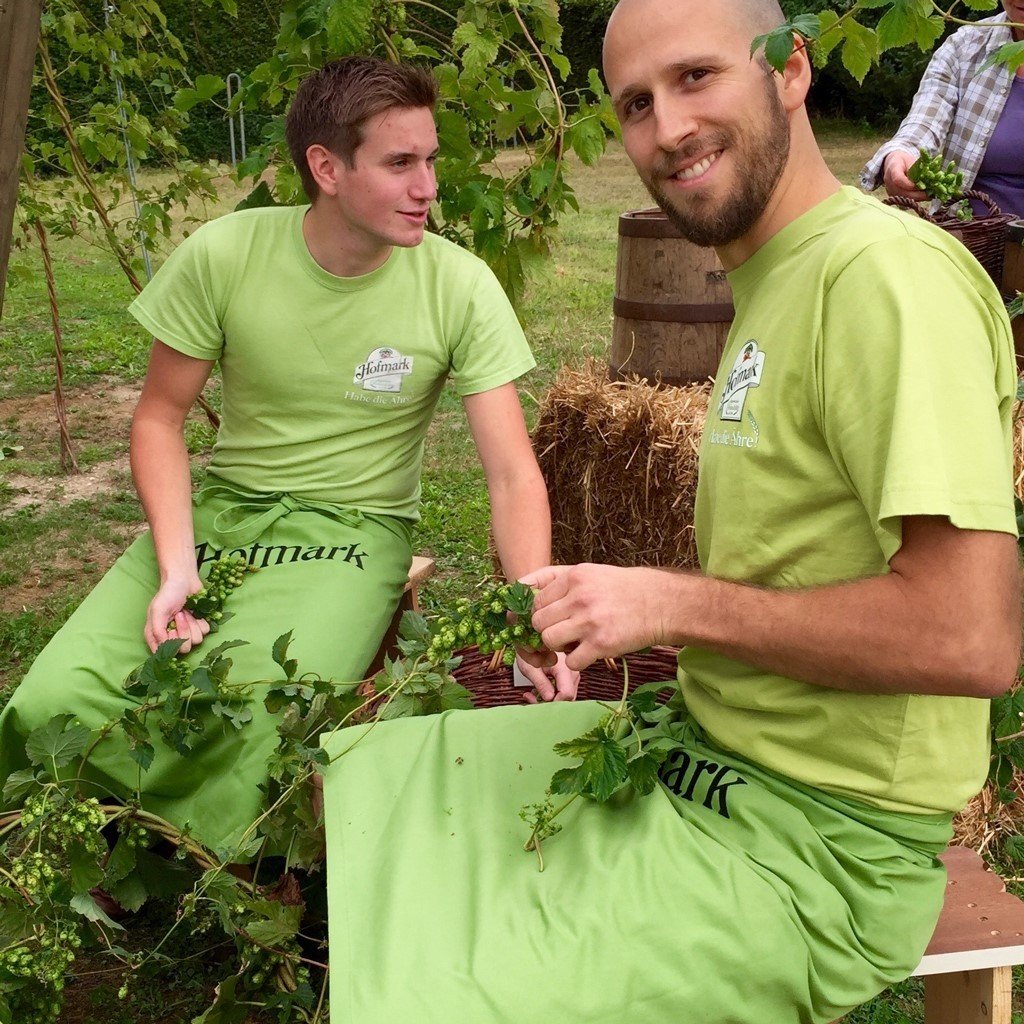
x: 869, y: 375
x: 329, y: 382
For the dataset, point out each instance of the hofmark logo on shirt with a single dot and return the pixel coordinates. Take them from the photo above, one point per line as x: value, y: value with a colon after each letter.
x: 745, y: 374
x: 383, y: 370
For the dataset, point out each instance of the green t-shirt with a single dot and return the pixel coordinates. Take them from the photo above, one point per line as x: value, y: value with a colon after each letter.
x: 330, y: 382
x: 869, y: 375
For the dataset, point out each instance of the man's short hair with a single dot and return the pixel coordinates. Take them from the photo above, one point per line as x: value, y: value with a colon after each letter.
x: 332, y: 105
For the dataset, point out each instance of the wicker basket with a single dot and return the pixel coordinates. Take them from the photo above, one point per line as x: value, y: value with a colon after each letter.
x: 984, y: 236
x: 493, y: 687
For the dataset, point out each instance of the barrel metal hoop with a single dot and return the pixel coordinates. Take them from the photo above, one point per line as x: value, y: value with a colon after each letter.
x: 675, y: 312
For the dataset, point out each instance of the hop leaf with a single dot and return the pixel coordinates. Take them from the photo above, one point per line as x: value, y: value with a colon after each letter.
x: 57, y: 743
x: 602, y: 770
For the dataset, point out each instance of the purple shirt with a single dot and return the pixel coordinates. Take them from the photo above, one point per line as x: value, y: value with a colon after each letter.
x: 1001, y: 175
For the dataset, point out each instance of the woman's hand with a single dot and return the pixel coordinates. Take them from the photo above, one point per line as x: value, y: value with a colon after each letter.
x: 894, y: 175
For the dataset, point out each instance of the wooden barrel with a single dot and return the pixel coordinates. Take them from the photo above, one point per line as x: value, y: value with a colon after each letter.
x: 1013, y: 279
x: 673, y: 305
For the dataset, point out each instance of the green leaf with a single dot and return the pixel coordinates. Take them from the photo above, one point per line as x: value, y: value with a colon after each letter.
x: 897, y: 27
x: 778, y: 44
x: 203, y: 681
x: 280, y: 923
x: 240, y: 848
x: 350, y: 25
x: 84, y: 904
x: 1010, y: 54
x: 403, y: 706
x: 807, y: 25
x: 602, y: 770
x: 58, y: 742
x: 859, y: 49
x: 1013, y: 847
x: 186, y: 99
x: 207, y: 86
x: 831, y: 36
x: 279, y: 697
x: 643, y: 771
x: 225, y: 1008
x: 777, y: 49
x: 520, y: 599
x: 160, y: 876
x: 130, y: 892
x: 478, y: 49
x: 413, y: 626
x: 260, y: 196
x: 586, y: 137
x: 279, y: 652
x: 120, y: 863
x: 140, y: 749
x: 18, y: 785
x: 85, y: 872
x: 644, y: 699
x: 219, y: 650
x: 929, y: 31
x: 452, y: 696
x: 238, y: 717
x: 222, y: 889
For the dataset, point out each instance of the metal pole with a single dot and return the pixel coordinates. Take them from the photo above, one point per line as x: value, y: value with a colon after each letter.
x: 108, y: 9
x: 19, y: 35
x: 231, y: 117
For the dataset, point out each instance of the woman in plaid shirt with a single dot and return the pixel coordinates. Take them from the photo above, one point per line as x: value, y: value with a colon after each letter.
x: 975, y: 119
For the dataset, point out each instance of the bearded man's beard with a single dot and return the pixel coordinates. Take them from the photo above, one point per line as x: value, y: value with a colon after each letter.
x: 759, y: 164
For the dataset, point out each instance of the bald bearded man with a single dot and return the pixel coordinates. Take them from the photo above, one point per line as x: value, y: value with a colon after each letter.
x: 858, y: 604
x: 859, y: 600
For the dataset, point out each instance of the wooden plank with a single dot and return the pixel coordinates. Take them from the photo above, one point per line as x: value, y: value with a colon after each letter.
x: 978, y: 915
x: 969, y: 997
x: 19, y: 36
x: 422, y: 569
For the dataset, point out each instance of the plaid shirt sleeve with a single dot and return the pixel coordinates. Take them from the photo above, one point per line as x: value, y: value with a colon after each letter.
x: 955, y: 109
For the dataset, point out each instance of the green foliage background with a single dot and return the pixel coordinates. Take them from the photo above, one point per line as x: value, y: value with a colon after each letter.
x: 218, y: 44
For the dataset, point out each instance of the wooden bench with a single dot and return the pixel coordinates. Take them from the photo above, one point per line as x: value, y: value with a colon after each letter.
x: 422, y: 569
x: 967, y: 967
x: 977, y: 942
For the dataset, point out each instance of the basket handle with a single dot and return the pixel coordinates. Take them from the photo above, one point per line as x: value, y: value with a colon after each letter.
x: 994, y: 210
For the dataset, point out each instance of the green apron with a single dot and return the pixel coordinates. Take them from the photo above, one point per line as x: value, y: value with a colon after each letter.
x: 728, y: 896
x: 332, y: 575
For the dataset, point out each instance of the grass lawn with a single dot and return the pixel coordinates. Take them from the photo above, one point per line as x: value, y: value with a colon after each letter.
x: 59, y: 534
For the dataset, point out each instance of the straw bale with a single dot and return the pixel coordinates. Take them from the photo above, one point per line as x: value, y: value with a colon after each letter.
x: 986, y: 821
x: 620, y: 461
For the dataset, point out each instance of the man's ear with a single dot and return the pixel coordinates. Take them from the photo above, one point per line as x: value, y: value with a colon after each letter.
x: 324, y: 166
x: 795, y: 80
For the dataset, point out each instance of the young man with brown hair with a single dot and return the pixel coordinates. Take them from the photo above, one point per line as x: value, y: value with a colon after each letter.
x: 335, y: 326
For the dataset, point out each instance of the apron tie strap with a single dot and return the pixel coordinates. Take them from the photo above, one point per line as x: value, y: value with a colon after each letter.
x: 250, y: 515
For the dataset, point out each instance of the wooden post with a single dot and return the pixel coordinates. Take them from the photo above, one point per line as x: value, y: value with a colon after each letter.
x: 19, y: 36
x: 969, y: 997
